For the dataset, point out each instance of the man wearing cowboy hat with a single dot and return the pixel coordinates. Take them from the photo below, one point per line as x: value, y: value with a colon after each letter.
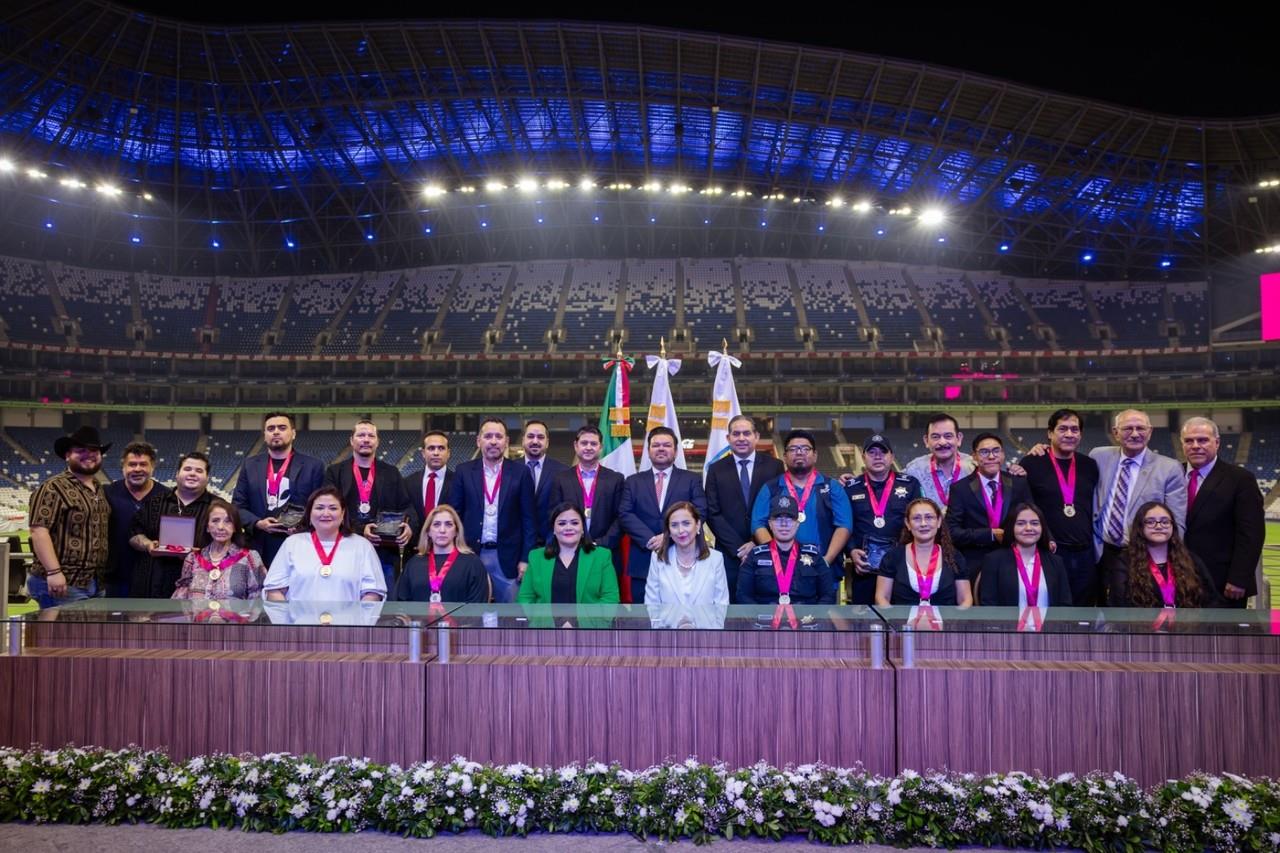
x: 70, y: 524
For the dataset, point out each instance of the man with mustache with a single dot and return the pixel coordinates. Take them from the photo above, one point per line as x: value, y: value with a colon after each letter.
x: 944, y: 464
x: 155, y: 575
x: 126, y: 496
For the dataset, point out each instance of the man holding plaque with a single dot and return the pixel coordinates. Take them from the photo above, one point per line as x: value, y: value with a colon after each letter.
x: 374, y: 497
x: 169, y: 526
x: 1062, y: 485
x: 274, y: 486
x: 823, y: 512
x: 878, y: 499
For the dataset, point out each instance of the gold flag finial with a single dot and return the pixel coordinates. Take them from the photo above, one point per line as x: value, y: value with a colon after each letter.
x: 724, y: 345
x: 619, y: 349
x: 662, y: 347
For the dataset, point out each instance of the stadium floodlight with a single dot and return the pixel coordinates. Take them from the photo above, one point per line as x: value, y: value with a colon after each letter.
x: 36, y: 174
x: 678, y: 189
x: 7, y: 165
x: 433, y: 191
x: 48, y: 223
x: 712, y: 191
x: 932, y: 216
x: 466, y: 188
x: 586, y: 184
x: 527, y: 185
x: 108, y: 190
x: 863, y: 206
x: 1165, y: 263
x: 369, y: 236
x: 135, y: 239
x: 72, y: 183
x: 1269, y: 184
x: 147, y: 196
x: 216, y: 244
x: 1087, y: 258
x: 653, y: 187
x: 740, y: 193
x: 1004, y: 247
x: 557, y: 184
x: 494, y: 186
x: 835, y: 201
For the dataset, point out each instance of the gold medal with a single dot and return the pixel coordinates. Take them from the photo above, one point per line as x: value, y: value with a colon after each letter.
x: 325, y: 571
x: 215, y: 605
x: 325, y: 618
x: 1069, y: 511
x: 215, y: 574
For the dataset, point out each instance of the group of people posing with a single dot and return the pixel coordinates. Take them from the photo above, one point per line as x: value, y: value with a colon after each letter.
x: 1121, y: 526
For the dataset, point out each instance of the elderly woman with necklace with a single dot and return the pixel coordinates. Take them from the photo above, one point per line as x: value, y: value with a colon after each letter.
x: 224, y: 569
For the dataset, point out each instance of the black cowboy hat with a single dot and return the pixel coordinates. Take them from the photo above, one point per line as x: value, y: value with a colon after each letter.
x: 85, y: 436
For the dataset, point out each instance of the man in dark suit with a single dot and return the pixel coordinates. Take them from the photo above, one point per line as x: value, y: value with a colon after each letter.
x: 543, y: 469
x: 273, y: 480
x: 980, y: 515
x: 429, y: 487
x: 370, y: 486
x: 603, y: 485
x: 1225, y: 522
x: 494, y: 497
x: 732, y: 485
x: 645, y: 498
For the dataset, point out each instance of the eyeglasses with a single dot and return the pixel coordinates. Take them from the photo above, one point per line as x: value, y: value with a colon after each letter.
x: 989, y: 452
x: 1157, y: 523
x: 800, y: 449
x: 920, y: 519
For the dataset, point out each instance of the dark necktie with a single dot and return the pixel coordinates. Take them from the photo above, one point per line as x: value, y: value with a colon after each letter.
x: 745, y: 479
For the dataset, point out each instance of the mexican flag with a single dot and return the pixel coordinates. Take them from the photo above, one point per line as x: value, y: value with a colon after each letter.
x: 615, y: 419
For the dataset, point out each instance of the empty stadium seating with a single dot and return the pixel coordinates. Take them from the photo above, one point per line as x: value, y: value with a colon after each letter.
x: 414, y: 310
x: 769, y: 304
x: 591, y: 305
x: 315, y: 301
x: 710, y: 303
x: 1061, y: 305
x: 29, y: 313
x: 372, y: 294
x: 174, y: 308
x: 535, y: 296
x: 651, y: 302
x: 829, y: 306
x: 950, y: 305
x: 475, y: 305
x: 247, y: 308
x: 1135, y: 312
x: 100, y: 300
x: 889, y: 306
x: 1001, y: 299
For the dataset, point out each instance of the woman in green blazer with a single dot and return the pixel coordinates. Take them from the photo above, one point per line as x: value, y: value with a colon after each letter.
x: 571, y: 569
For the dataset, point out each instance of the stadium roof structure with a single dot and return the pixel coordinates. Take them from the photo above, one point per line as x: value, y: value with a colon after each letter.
x: 137, y: 141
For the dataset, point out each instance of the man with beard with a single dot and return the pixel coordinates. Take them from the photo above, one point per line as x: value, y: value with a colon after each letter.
x: 370, y: 486
x: 544, y: 471
x: 271, y: 481
x: 595, y: 488
x: 156, y: 574
x: 494, y: 497
x: 126, y: 496
x: 70, y: 524
x: 823, y: 510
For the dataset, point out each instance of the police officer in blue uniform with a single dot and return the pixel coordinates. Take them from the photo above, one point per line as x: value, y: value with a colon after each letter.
x: 879, y: 498
x: 785, y: 571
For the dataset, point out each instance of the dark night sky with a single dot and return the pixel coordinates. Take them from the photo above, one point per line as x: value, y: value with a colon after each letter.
x: 1219, y: 65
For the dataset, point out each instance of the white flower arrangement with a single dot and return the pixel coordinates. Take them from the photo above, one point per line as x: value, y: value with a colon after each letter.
x: 280, y: 792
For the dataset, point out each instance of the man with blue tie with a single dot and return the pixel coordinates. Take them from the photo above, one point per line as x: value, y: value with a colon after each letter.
x: 732, y: 485
x: 271, y: 481
x: 1129, y: 475
x: 645, y: 498
x: 494, y: 497
x: 543, y: 470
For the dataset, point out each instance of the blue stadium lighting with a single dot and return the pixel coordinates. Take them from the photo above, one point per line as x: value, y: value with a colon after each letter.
x: 426, y: 230
x: 942, y: 239
x: 1004, y: 247
x: 822, y: 228
x: 539, y: 220
x: 368, y: 236
x: 879, y: 232
x: 290, y: 244
x: 596, y: 219
x: 1165, y: 264
x: 216, y: 244
x: 1087, y: 257
x: 48, y: 225
x: 484, y: 224
x: 135, y: 239
x: 764, y: 224
x: 706, y: 222
x: 653, y: 219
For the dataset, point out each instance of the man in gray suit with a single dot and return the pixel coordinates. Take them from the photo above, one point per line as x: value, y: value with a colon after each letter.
x: 1129, y: 475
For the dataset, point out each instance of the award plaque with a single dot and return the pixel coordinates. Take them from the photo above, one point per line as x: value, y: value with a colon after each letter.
x: 292, y: 516
x: 177, y: 533
x: 388, y: 526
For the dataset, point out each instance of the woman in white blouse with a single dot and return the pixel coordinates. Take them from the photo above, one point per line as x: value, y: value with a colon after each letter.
x: 327, y: 562
x: 687, y: 587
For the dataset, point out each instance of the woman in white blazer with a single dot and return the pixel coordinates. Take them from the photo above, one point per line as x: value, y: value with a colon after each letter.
x: 687, y: 587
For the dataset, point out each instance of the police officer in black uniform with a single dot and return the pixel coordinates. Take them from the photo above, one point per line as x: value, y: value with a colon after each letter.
x: 879, y: 497
x: 785, y: 571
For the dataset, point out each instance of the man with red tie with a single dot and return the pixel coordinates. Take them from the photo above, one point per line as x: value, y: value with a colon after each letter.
x: 429, y: 487
x: 1225, y: 521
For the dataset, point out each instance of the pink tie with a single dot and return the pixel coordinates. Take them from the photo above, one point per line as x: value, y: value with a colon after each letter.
x: 1192, y: 486
x: 657, y: 487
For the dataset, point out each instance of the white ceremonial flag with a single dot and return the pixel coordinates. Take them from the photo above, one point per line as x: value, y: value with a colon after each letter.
x: 662, y: 409
x: 724, y: 407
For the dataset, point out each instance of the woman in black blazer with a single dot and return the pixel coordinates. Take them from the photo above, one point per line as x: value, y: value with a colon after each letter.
x: 1009, y: 575
x: 926, y: 558
x: 1160, y: 571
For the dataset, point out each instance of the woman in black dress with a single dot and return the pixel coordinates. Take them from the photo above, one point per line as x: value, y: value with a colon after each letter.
x: 924, y: 569
x: 445, y: 569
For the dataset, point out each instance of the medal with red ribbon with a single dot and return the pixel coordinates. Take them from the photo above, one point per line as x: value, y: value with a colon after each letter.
x: 1164, y: 581
x: 215, y: 571
x: 801, y: 500
x: 588, y: 497
x: 1066, y: 485
x: 784, y: 577
x: 943, y: 494
x: 1031, y: 619
x: 326, y: 560
x: 274, y: 477
x: 364, y: 487
x: 925, y: 579
x: 878, y: 506
x: 436, y: 579
x: 1030, y: 583
x: 491, y: 498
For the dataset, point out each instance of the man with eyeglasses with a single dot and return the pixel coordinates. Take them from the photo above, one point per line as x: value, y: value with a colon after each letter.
x: 944, y: 464
x: 824, y: 514
x: 980, y: 518
x: 70, y: 524
x: 1129, y: 475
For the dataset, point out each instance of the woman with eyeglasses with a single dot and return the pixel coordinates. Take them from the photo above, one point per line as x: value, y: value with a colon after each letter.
x: 925, y: 568
x: 1026, y: 574
x: 1159, y: 570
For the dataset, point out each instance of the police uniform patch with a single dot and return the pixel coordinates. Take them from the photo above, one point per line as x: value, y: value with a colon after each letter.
x: 859, y: 496
x: 899, y: 491
x: 806, y: 560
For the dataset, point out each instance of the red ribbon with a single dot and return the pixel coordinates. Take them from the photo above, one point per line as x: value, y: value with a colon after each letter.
x: 1066, y: 486
x: 943, y: 494
x: 878, y: 507
x: 801, y: 500
x: 325, y: 559
x: 784, y: 578
x: 588, y: 498
x: 364, y: 487
x: 228, y: 560
x: 497, y: 481
x: 274, y: 477
x: 437, y: 580
x: 1032, y: 583
x: 1166, y: 583
x: 925, y: 580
